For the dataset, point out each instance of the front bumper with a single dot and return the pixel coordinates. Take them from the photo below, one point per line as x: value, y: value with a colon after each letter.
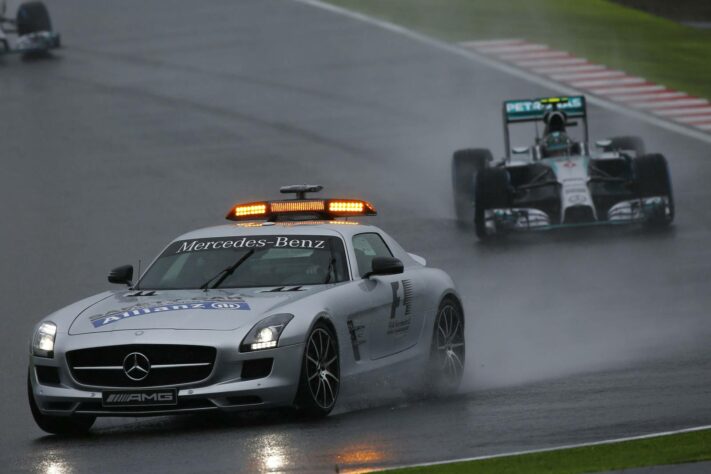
x: 626, y: 212
x: 224, y: 389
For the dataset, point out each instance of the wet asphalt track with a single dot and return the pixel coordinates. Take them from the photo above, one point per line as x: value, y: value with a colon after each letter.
x: 159, y: 115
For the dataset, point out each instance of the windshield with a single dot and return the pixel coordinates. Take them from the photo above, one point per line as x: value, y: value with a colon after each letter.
x: 277, y: 260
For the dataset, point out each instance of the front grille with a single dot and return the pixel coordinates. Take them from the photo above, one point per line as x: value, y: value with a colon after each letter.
x: 170, y: 365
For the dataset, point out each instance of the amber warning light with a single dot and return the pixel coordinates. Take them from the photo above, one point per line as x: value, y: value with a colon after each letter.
x: 301, y: 207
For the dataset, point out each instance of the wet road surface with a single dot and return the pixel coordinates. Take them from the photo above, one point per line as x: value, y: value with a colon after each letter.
x: 158, y: 116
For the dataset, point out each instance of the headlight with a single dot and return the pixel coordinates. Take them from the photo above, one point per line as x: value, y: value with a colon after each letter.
x: 43, y: 340
x: 265, y: 334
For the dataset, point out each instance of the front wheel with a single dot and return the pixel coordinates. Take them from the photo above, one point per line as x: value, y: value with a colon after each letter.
x: 652, y: 180
x: 320, y: 377
x: 466, y: 164
x: 447, y: 352
x: 491, y: 192
x: 58, y: 425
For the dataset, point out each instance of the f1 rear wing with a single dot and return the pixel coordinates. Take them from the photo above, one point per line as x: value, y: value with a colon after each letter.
x: 533, y: 110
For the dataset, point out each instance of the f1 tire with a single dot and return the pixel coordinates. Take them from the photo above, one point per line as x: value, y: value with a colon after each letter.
x: 466, y: 164
x: 59, y: 425
x: 633, y: 143
x: 491, y: 192
x: 652, y: 179
x: 320, y: 378
x: 33, y: 17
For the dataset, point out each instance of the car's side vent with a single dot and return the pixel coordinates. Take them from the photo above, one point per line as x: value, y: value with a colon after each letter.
x: 47, y: 375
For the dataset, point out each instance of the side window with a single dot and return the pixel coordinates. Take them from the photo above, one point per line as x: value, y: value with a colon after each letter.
x: 367, y: 247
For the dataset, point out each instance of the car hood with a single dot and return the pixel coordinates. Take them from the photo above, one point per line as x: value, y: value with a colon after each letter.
x: 217, y: 310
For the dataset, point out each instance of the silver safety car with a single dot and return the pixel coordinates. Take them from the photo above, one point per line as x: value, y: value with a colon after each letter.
x: 279, y: 308
x: 559, y: 181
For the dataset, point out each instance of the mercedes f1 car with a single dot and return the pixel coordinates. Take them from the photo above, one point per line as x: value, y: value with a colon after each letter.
x: 558, y: 181
x: 277, y: 309
x: 32, y: 27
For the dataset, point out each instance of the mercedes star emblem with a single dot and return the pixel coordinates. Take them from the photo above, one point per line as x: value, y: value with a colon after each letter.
x: 136, y: 366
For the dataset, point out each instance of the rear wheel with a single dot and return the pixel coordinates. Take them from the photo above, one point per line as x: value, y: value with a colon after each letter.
x: 447, y: 353
x: 652, y: 180
x: 633, y: 143
x: 320, y: 373
x: 59, y: 425
x: 33, y: 17
x: 466, y: 164
x: 491, y: 192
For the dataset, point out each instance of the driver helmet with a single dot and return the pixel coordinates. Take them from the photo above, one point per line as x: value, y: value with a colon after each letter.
x: 555, y: 121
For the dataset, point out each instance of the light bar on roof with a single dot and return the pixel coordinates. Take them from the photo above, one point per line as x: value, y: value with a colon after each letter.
x: 319, y: 209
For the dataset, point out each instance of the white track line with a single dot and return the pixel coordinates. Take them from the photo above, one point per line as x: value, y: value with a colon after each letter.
x: 694, y: 119
x: 550, y: 62
x: 535, y: 55
x: 669, y: 104
x: 608, y: 82
x: 511, y: 70
x: 499, y: 42
x: 514, y: 48
x: 569, y: 446
x: 683, y: 111
x: 652, y: 96
x: 628, y: 89
x: 564, y: 69
x: 586, y: 75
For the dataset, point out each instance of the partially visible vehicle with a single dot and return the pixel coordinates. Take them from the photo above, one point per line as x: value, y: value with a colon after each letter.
x: 32, y: 28
x: 558, y: 182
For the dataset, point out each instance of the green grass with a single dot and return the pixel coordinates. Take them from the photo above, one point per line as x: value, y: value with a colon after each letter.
x: 674, y: 449
x: 604, y: 32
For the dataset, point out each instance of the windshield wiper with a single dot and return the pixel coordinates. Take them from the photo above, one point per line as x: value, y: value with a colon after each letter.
x: 225, y: 272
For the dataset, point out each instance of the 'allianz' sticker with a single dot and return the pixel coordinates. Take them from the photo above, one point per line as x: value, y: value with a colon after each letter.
x: 232, y: 304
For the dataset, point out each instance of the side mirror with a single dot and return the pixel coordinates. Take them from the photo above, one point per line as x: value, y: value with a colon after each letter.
x: 385, y: 266
x: 121, y: 275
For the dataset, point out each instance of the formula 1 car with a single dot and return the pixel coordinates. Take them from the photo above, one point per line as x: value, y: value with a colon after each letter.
x: 33, y: 28
x: 558, y: 182
x: 278, y: 309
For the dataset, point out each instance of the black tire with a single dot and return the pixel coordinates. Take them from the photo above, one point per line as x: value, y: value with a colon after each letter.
x: 447, y: 351
x: 320, y: 377
x: 58, y: 425
x: 627, y: 143
x: 491, y: 192
x: 466, y: 164
x: 652, y: 179
x: 33, y: 17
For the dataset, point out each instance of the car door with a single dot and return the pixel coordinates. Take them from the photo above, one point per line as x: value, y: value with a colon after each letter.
x: 394, y: 321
